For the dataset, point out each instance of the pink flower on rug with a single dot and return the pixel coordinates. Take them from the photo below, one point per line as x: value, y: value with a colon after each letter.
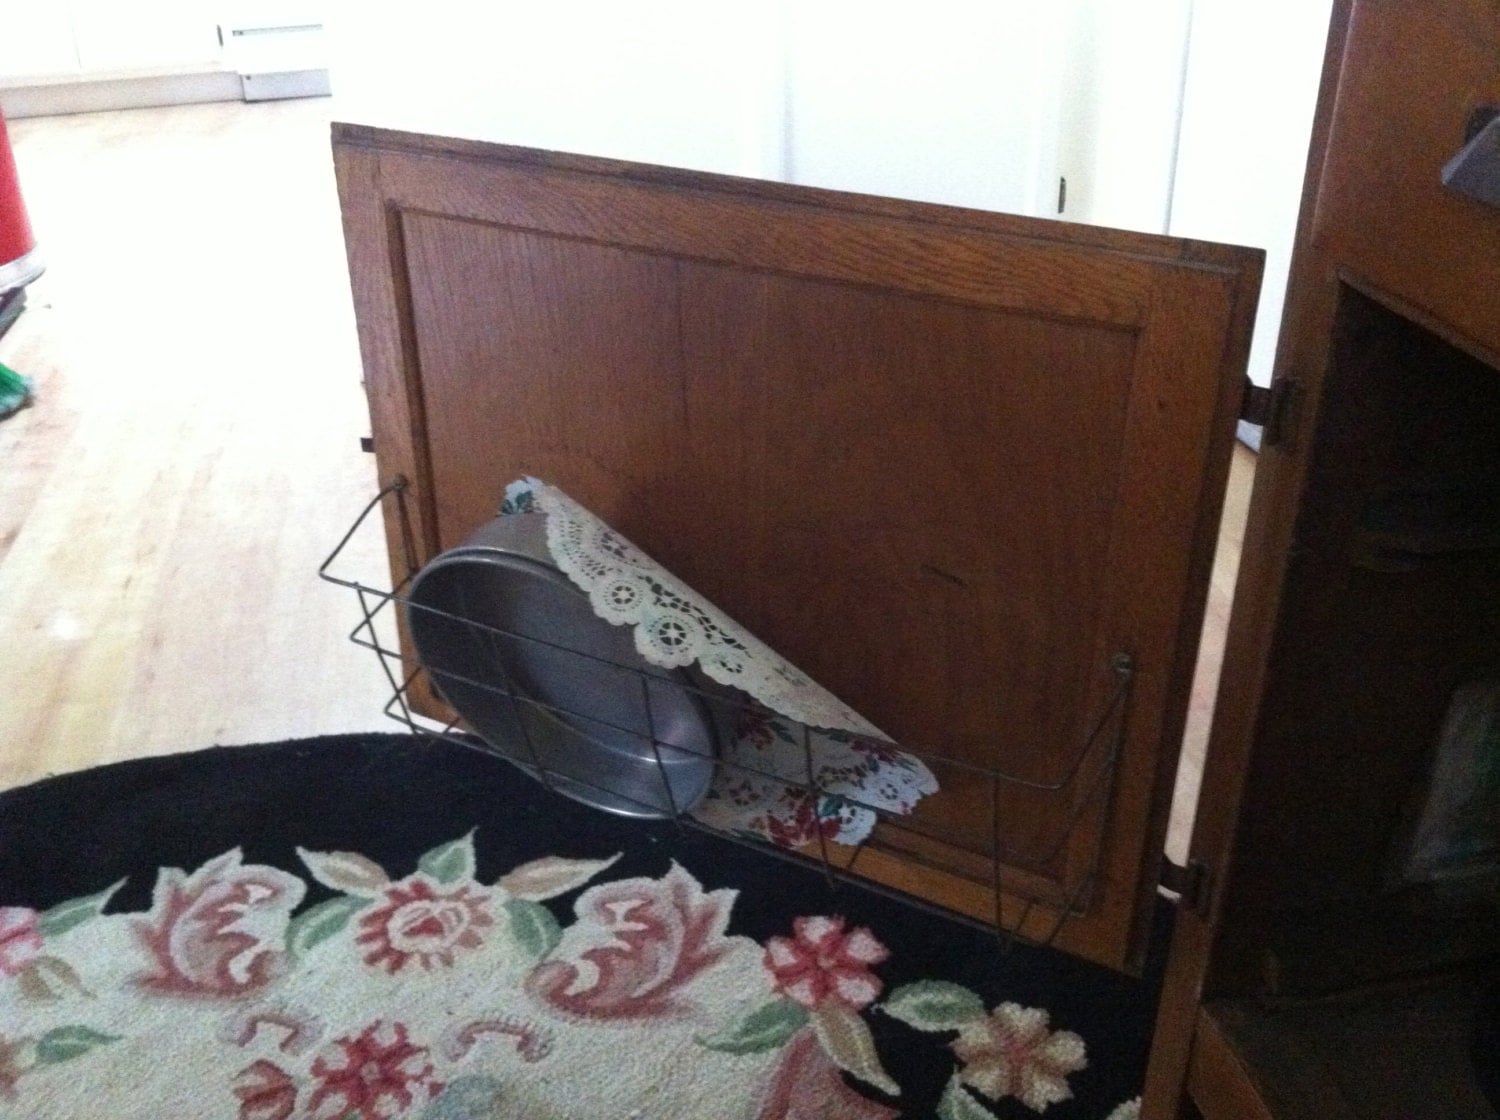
x: 420, y: 923
x: 821, y: 962
x: 265, y: 1092
x: 20, y: 939
x: 294, y: 1030
x: 531, y: 1042
x: 377, y: 1074
x: 1013, y: 1054
x: 644, y: 941
x: 220, y: 931
x: 806, y: 1085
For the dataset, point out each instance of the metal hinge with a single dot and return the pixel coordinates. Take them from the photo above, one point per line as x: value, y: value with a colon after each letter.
x: 1193, y: 884
x: 1274, y: 408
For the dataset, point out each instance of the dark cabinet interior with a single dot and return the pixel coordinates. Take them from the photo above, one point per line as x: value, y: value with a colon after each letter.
x: 1348, y: 974
x: 1391, y: 605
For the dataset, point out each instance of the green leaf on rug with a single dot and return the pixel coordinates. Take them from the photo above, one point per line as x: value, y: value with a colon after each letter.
x: 848, y: 1043
x: 319, y: 923
x: 765, y: 1028
x: 74, y: 912
x: 934, y: 1005
x: 533, y: 927
x: 48, y: 980
x: 65, y: 1043
x: 960, y: 1104
x: 451, y: 862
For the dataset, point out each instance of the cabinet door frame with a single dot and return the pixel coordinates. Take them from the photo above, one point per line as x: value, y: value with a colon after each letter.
x: 1377, y: 149
x: 1275, y: 499
x: 1189, y: 306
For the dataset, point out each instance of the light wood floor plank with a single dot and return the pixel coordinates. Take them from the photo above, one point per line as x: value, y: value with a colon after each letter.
x: 193, y: 450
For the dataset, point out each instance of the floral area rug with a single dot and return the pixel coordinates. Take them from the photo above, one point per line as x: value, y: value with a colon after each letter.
x: 364, y: 927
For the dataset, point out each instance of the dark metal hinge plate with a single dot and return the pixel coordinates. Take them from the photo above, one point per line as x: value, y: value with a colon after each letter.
x: 1255, y: 405
x: 1193, y: 884
x: 1274, y: 408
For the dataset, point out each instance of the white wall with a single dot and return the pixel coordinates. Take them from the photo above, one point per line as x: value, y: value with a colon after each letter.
x: 971, y: 102
x: 678, y: 82
x: 948, y: 102
x: 1252, y: 84
x: 940, y: 103
x: 38, y: 39
x: 144, y: 34
x: 1121, y: 90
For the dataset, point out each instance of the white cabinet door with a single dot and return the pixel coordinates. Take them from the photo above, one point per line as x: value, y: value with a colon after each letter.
x: 36, y: 40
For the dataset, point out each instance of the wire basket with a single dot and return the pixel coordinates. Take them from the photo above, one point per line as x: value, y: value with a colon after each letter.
x: 1034, y: 880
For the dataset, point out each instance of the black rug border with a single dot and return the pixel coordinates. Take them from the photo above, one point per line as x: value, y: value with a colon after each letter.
x: 455, y: 788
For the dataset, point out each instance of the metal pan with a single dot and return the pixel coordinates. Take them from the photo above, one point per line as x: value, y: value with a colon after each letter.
x: 517, y: 651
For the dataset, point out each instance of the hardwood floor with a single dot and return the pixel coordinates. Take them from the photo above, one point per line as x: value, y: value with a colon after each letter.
x: 1211, y: 651
x: 193, y: 450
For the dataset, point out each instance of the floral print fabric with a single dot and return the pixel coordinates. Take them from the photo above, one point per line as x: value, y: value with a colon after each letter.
x: 344, y: 993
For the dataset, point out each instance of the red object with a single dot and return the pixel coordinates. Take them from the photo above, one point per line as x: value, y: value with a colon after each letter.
x: 20, y: 263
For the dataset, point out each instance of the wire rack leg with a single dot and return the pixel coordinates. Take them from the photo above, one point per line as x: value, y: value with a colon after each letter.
x: 661, y: 769
x: 812, y: 795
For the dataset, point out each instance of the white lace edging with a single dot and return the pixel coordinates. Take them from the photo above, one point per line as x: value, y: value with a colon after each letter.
x: 674, y: 626
x: 763, y: 790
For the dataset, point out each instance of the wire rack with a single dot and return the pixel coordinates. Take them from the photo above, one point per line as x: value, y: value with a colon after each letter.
x: 1041, y: 873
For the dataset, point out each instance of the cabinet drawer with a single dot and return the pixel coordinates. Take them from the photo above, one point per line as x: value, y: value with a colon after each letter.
x: 1396, y: 126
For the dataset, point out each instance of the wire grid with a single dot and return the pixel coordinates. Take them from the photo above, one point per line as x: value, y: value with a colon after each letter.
x: 1091, y: 799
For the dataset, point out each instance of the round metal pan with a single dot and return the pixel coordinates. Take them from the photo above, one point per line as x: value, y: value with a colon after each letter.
x: 558, y: 691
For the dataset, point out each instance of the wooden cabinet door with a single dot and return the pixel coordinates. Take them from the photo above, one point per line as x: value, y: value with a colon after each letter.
x: 1381, y: 210
x: 950, y: 463
x: 1310, y: 750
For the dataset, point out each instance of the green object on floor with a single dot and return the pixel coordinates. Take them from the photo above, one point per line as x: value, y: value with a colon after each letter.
x: 15, y: 390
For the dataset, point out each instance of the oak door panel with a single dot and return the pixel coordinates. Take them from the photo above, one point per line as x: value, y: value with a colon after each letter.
x: 1396, y: 126
x: 946, y: 462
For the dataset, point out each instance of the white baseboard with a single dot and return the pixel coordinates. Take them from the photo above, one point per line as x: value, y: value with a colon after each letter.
x: 93, y: 95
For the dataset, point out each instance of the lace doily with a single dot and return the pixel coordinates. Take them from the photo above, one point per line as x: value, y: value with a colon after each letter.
x: 674, y: 626
x: 763, y: 791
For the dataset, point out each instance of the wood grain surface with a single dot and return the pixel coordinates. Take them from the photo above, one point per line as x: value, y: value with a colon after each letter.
x: 1410, y: 235
x: 946, y: 462
x: 1336, y: 674
x: 192, y: 451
